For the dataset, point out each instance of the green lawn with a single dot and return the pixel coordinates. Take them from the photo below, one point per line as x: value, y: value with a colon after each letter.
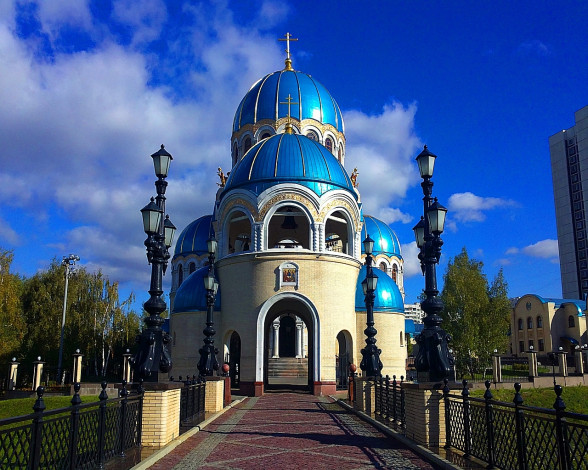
x: 575, y: 398
x: 24, y: 406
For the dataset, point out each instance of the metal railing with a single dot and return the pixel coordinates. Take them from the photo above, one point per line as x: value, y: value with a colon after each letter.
x: 192, y: 403
x: 80, y: 436
x: 514, y: 369
x: 389, y: 403
x: 512, y: 436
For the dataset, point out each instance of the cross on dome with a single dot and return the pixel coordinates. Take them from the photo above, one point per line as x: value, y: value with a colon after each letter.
x: 288, y: 38
x: 289, y: 103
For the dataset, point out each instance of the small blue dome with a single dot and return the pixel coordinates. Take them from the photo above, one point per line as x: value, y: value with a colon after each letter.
x: 289, y: 158
x: 385, y: 240
x: 388, y: 296
x: 194, y: 237
x: 191, y: 295
x: 266, y: 98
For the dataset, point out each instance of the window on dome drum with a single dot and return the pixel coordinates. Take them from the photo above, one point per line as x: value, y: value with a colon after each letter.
x: 340, y: 154
x: 246, y: 145
x: 571, y: 322
x: 180, y: 275
x: 312, y: 135
x: 239, y: 230
x: 288, y: 228
x: 539, y: 321
x: 520, y: 323
x: 395, y: 273
x: 401, y: 339
x: 529, y: 323
x: 329, y: 144
x: 265, y: 135
x: 383, y: 267
x: 337, y: 230
x: 234, y: 153
x: 192, y: 267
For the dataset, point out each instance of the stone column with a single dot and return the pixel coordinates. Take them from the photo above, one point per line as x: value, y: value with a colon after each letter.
x: 298, y: 340
x: 276, y: 352
x: 12, y: 374
x: 37, y: 372
x: 496, y: 368
x: 563, y: 364
x: 127, y: 369
x: 532, y: 363
x: 257, y: 241
x: 579, y: 363
x: 77, y: 367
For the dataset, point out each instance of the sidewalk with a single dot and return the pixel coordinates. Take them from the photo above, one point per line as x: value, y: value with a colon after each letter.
x: 290, y: 431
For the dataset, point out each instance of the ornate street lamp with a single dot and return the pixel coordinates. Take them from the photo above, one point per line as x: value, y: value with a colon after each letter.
x: 434, y: 361
x: 370, y: 362
x: 208, y: 362
x: 69, y: 263
x: 153, y: 355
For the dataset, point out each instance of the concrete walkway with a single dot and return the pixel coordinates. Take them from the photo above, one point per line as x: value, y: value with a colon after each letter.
x: 290, y: 431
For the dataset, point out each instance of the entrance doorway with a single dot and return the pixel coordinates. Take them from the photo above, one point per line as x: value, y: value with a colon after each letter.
x: 235, y: 359
x: 287, y: 336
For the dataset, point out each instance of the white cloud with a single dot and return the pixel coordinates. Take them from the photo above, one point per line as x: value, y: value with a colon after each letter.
x: 410, y: 255
x: 467, y: 207
x: 512, y: 251
x: 383, y: 147
x: 502, y: 262
x: 7, y: 234
x: 145, y: 18
x: 391, y: 215
x: 542, y: 249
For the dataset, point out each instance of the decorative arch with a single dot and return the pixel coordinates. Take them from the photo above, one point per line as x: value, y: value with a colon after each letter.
x: 309, y: 315
x: 344, y: 358
x: 274, y: 231
x: 340, y: 231
x: 237, y: 230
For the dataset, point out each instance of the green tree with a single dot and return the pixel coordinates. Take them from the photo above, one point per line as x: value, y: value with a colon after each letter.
x: 12, y: 324
x: 475, y: 313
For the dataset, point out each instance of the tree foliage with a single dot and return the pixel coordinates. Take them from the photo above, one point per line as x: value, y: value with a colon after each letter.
x: 12, y: 325
x: 475, y: 313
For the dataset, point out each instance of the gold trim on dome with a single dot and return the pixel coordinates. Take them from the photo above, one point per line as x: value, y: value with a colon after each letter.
x: 322, y: 127
x: 238, y: 202
x: 287, y: 197
x: 339, y: 203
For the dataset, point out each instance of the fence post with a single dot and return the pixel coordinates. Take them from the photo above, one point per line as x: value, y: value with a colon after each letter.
x: 13, y: 373
x: 520, y: 427
x: 394, y: 388
x: 402, y: 412
x: 561, y: 430
x: 37, y: 431
x: 447, y: 414
x: 465, y: 393
x: 377, y: 389
x: 388, y: 398
x: 102, y: 424
x: 75, y: 427
x: 123, y: 393
x: 489, y: 424
x: 496, y: 367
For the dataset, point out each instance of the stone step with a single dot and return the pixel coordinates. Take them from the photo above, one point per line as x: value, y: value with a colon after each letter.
x: 288, y: 367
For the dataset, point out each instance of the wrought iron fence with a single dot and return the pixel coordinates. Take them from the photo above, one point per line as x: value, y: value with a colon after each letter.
x: 192, y: 403
x: 512, y: 436
x: 514, y: 369
x: 82, y: 436
x: 389, y: 400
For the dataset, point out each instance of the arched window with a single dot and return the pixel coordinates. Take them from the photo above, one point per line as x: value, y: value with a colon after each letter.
x: 234, y: 154
x: 571, y: 322
x: 265, y: 135
x: 329, y: 144
x: 192, y: 267
x: 382, y: 266
x: 401, y: 339
x: 395, y: 273
x: 180, y: 275
x: 529, y: 323
x: 520, y: 323
x: 312, y: 135
x: 539, y: 321
x: 247, y: 145
x: 340, y: 154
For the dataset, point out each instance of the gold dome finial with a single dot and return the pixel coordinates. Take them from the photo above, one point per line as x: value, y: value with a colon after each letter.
x: 288, y: 61
x: 289, y: 102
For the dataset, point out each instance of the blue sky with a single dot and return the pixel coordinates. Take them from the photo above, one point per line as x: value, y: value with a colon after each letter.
x: 89, y: 89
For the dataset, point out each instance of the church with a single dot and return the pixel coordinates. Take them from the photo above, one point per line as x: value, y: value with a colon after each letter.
x: 289, y: 224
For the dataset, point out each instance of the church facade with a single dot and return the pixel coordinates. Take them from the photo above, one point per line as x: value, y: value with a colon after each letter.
x: 289, y: 223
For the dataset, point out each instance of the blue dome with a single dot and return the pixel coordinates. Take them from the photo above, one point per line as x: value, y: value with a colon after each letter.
x: 385, y: 240
x: 289, y: 158
x: 388, y: 296
x: 194, y: 237
x: 266, y: 97
x: 191, y: 295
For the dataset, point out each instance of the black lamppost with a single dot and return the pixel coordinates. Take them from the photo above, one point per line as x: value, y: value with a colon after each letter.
x: 69, y: 263
x: 153, y: 355
x: 434, y: 361
x: 370, y: 362
x: 208, y: 362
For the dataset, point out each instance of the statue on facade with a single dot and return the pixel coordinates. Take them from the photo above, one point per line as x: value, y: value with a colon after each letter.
x: 354, y: 177
x: 222, y: 176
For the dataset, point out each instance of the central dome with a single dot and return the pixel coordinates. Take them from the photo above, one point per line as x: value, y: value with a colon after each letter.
x: 289, y: 158
x: 267, y: 99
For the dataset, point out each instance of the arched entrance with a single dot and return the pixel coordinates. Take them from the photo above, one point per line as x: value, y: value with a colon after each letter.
x: 235, y: 359
x: 298, y: 342
x: 344, y: 358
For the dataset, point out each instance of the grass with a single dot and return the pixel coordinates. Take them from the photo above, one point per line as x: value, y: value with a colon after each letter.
x: 24, y: 406
x: 575, y: 398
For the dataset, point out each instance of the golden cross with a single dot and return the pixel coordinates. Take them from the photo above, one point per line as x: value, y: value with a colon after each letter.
x: 289, y: 103
x: 288, y: 39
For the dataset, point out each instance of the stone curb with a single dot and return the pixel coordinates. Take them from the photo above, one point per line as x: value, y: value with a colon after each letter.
x: 155, y: 457
x: 418, y: 449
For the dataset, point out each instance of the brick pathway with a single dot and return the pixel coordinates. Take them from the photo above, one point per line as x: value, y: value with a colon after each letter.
x: 290, y: 431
